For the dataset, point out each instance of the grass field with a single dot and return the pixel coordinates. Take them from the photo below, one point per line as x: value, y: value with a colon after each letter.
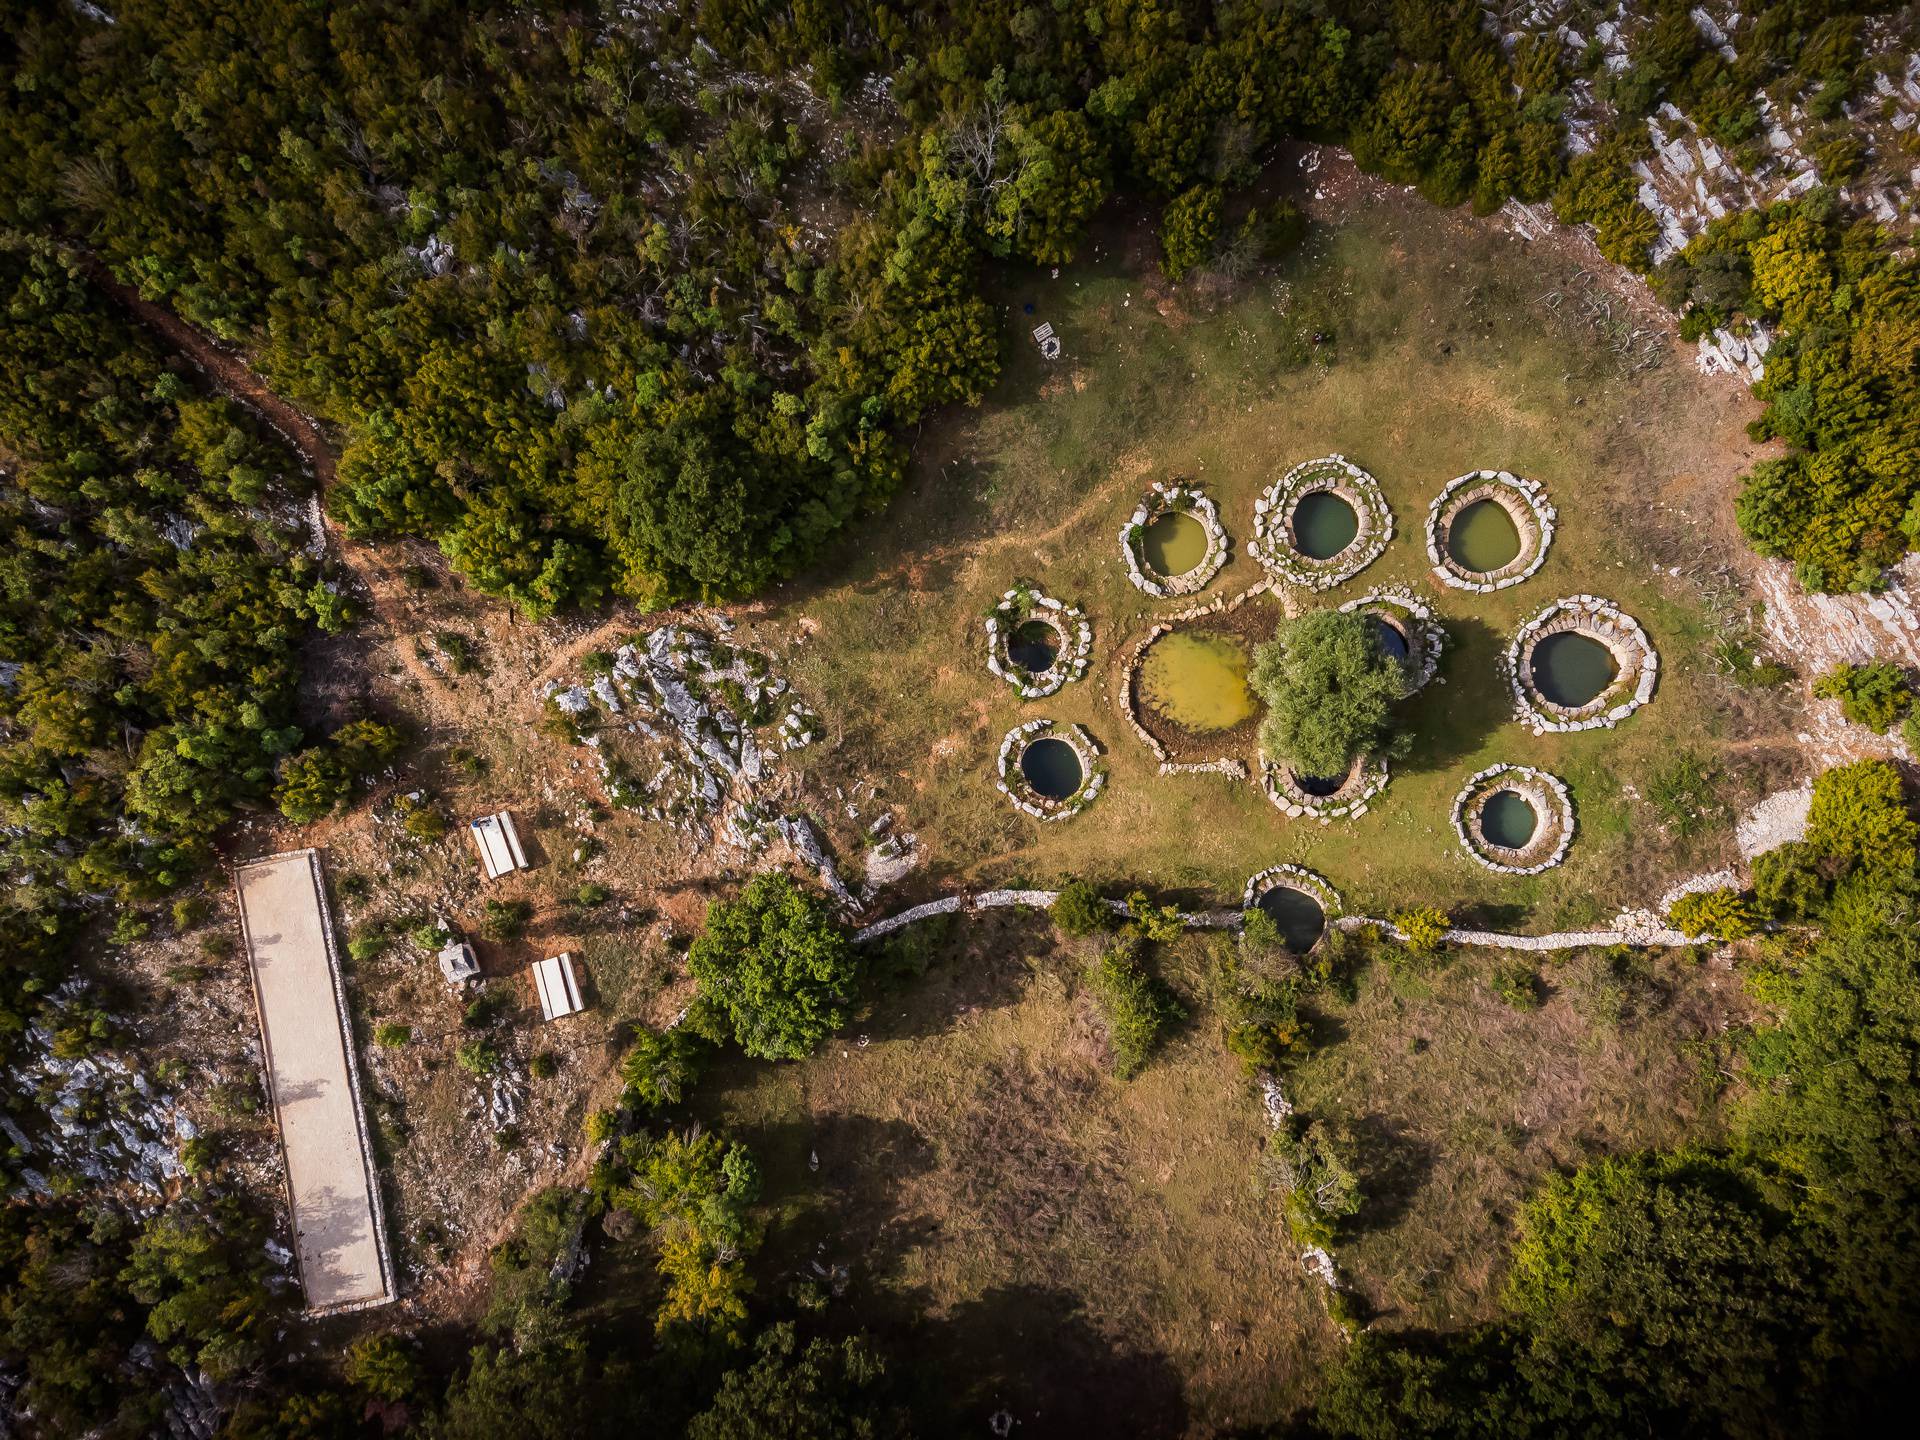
x: 1444, y: 346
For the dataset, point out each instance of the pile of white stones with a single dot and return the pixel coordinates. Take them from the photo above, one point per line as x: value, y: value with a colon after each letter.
x: 1017, y: 608
x: 1546, y: 794
x: 1272, y: 543
x: 1599, y: 620
x: 1425, y: 637
x: 1366, y: 779
x: 1161, y: 500
x: 1293, y: 877
x: 1520, y: 498
x: 1012, y: 783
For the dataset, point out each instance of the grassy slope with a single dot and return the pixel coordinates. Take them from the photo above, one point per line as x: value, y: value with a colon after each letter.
x: 1444, y: 354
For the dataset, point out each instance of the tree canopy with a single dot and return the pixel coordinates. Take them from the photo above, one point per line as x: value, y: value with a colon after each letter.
x: 777, y: 966
x: 1330, y: 689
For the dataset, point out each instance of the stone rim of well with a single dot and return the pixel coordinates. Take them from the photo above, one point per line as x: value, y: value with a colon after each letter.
x: 1366, y: 777
x: 1273, y: 513
x: 1526, y: 504
x: 1637, y: 662
x: 1012, y: 781
x: 1552, y: 806
x: 1184, y: 498
x: 1295, y: 877
x: 1413, y: 618
x: 1068, y: 622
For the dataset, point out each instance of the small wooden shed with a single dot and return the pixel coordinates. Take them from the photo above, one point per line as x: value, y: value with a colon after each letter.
x: 499, y: 844
x: 559, y: 990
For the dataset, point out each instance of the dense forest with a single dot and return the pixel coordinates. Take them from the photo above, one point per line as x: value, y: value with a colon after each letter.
x: 648, y: 301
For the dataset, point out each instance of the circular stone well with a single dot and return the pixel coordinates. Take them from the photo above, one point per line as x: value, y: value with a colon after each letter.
x: 1488, y: 529
x: 1176, y: 527
x: 1411, y: 622
x: 1514, y: 819
x: 1324, y: 798
x: 1580, y: 664
x: 1322, y: 522
x: 1300, y: 902
x: 1048, y: 770
x: 1037, y: 644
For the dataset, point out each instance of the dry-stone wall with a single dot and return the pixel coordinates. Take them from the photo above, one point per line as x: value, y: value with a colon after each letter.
x: 1525, y: 502
x: 1272, y: 544
x: 1552, y: 807
x: 1069, y: 624
x: 1162, y: 499
x: 1602, y: 620
x: 1295, y: 877
x: 1366, y: 779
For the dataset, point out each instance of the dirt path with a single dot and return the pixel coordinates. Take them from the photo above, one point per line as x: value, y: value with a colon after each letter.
x: 379, y: 577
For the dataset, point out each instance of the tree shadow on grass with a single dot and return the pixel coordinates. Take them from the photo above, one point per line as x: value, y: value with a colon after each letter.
x: 1393, y: 1165
x: 1033, y: 1352
x: 1447, y: 722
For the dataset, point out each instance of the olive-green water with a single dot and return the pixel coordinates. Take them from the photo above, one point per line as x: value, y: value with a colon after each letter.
x: 1508, y: 820
x: 1324, y: 525
x: 1033, y: 646
x: 1298, y: 915
x: 1198, y: 680
x: 1051, y: 768
x: 1483, y: 536
x: 1570, y: 668
x: 1174, y: 543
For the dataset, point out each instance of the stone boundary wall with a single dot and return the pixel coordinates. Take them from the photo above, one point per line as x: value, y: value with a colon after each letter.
x: 1552, y: 803
x: 1029, y: 801
x: 1524, y: 500
x: 1645, y: 931
x: 1162, y: 499
x: 1068, y: 622
x: 1426, y: 638
x: 1297, y: 877
x: 1272, y: 543
x: 1130, y: 675
x: 1601, y: 620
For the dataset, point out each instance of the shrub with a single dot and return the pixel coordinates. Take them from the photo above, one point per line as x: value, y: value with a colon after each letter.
x: 544, y: 1066
x: 383, y: 1367
x: 1161, y: 923
x: 1189, y: 230
x: 189, y: 911
x: 421, y: 819
x: 1312, y: 1170
x: 1139, y: 1009
x: 1876, y: 696
x: 1722, y: 913
x: 777, y: 966
x: 661, y: 1066
x: 1423, y: 929
x: 478, y: 1057
x: 392, y: 1036
x: 1260, y: 931
x: 1859, y: 817
x: 366, y: 945
x: 1517, y: 983
x: 505, y: 920
x: 1330, y: 690
x: 590, y: 894
x: 1788, y: 881
x: 1079, y: 911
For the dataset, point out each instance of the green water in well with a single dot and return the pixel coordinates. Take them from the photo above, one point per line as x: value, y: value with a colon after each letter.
x: 1571, y: 669
x: 1508, y: 820
x: 1174, y: 543
x: 1198, y: 680
x: 1324, y: 525
x: 1051, y: 768
x: 1483, y: 537
x: 1298, y: 914
x: 1034, y: 646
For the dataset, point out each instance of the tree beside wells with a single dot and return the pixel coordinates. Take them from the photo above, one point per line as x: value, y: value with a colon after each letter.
x: 777, y: 966
x: 1330, y: 691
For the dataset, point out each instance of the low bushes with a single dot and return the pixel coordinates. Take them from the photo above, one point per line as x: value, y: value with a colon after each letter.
x: 1139, y: 1009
